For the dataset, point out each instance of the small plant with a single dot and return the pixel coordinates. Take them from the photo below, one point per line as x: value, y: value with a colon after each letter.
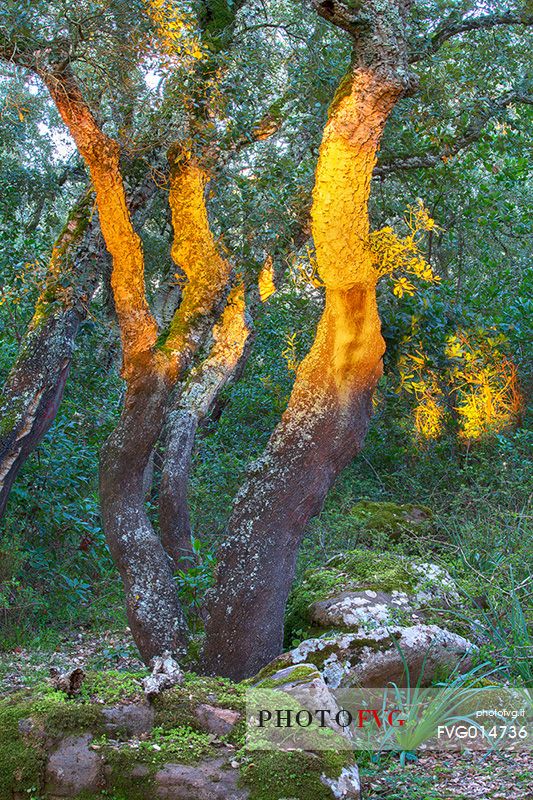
x: 194, y: 582
x: 506, y: 632
x: 423, y: 712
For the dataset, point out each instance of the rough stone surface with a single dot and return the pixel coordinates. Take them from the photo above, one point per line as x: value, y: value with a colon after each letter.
x: 219, y: 721
x: 209, y: 780
x: 359, y: 590
x: 134, y: 719
x: 73, y: 768
x: 372, y: 659
x: 139, y: 771
x: 309, y: 690
x: 165, y: 674
x: 367, y: 608
x: 347, y: 785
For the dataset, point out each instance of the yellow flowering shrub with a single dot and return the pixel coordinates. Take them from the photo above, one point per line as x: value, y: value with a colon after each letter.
x: 176, y: 33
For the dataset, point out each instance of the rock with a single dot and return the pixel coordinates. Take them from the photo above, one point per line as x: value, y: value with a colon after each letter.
x: 361, y: 589
x: 209, y: 780
x: 392, y: 519
x: 134, y: 719
x: 306, y: 685
x: 347, y: 785
x: 366, y: 608
x: 372, y: 659
x: 165, y: 674
x: 69, y: 682
x: 372, y: 607
x: 285, y: 677
x: 74, y: 768
x: 219, y: 721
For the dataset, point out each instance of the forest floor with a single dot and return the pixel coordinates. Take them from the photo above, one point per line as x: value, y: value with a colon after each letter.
x: 434, y: 776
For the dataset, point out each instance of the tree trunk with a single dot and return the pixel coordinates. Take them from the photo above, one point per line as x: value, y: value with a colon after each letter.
x: 146, y: 567
x: 174, y: 517
x: 150, y: 367
x: 34, y: 387
x: 152, y: 604
x: 231, y: 337
x: 330, y: 406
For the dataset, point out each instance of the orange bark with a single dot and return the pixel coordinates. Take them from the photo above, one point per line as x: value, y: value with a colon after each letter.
x: 101, y: 155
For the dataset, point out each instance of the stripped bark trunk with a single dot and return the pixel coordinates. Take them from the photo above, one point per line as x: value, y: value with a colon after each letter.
x: 231, y: 338
x: 150, y: 367
x: 331, y: 403
x: 146, y: 567
x: 321, y: 431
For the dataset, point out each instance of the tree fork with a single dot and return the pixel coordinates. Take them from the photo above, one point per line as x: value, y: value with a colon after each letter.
x: 150, y: 368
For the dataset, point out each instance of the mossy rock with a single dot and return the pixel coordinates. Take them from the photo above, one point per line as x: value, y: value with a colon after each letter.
x: 177, y: 705
x: 274, y: 775
x: 34, y: 721
x: 29, y: 721
x: 362, y: 570
x: 270, y: 677
x: 392, y: 519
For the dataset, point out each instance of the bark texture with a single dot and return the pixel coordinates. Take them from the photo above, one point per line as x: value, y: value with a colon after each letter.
x: 151, y: 368
x: 34, y: 387
x: 330, y: 406
x: 152, y: 604
x: 145, y: 561
x: 227, y: 356
x: 102, y: 157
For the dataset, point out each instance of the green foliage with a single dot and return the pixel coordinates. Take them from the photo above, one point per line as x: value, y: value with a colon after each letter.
x: 504, y: 625
x: 194, y: 581
x: 448, y: 703
x: 112, y: 686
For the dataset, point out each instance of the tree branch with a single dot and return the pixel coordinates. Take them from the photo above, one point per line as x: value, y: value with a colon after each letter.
x: 471, y: 134
x: 339, y: 14
x: 101, y: 154
x: 453, y: 27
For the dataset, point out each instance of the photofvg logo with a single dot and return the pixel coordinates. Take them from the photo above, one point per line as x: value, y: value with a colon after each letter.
x: 329, y: 718
x: 312, y: 717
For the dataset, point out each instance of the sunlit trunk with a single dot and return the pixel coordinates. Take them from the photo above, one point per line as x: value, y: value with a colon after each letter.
x: 145, y: 560
x: 331, y: 403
